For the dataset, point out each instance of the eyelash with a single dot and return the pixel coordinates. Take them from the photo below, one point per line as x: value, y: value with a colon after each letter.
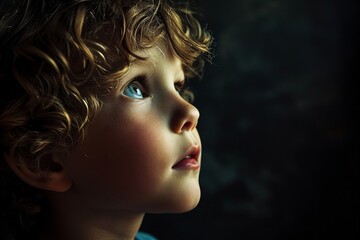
x: 182, y: 87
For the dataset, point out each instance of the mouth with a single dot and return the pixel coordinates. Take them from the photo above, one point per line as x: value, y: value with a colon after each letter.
x: 190, y: 161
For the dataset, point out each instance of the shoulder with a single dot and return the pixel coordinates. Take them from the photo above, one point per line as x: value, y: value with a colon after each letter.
x: 144, y: 236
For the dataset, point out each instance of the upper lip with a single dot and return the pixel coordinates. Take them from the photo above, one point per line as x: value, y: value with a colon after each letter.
x: 192, y: 152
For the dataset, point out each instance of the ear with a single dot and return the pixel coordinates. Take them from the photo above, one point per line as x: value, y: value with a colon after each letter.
x: 54, y: 178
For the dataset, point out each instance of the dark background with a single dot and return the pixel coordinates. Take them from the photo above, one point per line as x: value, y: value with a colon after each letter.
x: 278, y: 124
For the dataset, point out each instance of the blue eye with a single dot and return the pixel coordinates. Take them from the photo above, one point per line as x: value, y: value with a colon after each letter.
x: 134, y: 90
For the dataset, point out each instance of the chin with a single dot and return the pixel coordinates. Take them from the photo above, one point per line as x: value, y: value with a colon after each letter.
x: 187, y: 206
x: 180, y: 202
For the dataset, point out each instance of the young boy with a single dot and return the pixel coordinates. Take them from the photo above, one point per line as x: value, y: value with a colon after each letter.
x: 95, y: 117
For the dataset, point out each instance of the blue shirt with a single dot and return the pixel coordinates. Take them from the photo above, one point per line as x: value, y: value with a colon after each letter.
x: 144, y: 236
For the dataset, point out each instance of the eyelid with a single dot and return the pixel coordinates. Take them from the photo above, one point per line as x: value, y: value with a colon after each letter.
x: 182, y: 87
x: 138, y: 79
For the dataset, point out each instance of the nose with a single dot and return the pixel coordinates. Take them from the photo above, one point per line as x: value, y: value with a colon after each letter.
x: 185, y: 117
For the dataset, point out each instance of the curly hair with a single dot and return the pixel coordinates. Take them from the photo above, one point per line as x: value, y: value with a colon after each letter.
x: 59, y: 58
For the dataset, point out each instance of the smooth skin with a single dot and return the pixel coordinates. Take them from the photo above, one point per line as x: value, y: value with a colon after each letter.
x: 124, y: 167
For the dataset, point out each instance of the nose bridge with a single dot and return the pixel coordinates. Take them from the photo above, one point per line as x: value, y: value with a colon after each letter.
x: 184, y: 115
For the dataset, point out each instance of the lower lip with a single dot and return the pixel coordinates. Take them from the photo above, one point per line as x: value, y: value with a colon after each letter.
x: 187, y: 164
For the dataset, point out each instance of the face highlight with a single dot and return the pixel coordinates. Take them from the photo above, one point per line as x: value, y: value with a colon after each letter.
x: 142, y: 151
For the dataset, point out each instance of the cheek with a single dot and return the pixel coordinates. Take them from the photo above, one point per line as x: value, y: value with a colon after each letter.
x: 124, y: 160
x: 143, y: 158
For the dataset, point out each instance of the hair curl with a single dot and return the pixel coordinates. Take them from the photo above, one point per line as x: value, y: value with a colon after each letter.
x: 59, y: 58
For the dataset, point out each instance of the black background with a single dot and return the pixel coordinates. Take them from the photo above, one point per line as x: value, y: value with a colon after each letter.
x: 278, y: 124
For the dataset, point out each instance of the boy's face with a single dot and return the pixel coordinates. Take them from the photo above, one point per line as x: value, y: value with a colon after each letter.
x: 142, y: 151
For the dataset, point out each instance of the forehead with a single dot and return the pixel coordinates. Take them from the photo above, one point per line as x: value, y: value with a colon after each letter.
x: 158, y: 51
x: 157, y: 56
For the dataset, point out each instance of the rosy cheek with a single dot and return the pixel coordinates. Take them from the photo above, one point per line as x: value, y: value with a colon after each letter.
x: 137, y: 153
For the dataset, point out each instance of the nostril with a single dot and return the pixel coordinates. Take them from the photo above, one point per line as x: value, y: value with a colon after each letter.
x: 188, y: 126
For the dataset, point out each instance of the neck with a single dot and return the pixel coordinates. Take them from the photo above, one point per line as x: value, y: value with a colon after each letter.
x: 78, y: 221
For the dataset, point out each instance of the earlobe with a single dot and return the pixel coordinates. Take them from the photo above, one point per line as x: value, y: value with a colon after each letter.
x: 54, y: 178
